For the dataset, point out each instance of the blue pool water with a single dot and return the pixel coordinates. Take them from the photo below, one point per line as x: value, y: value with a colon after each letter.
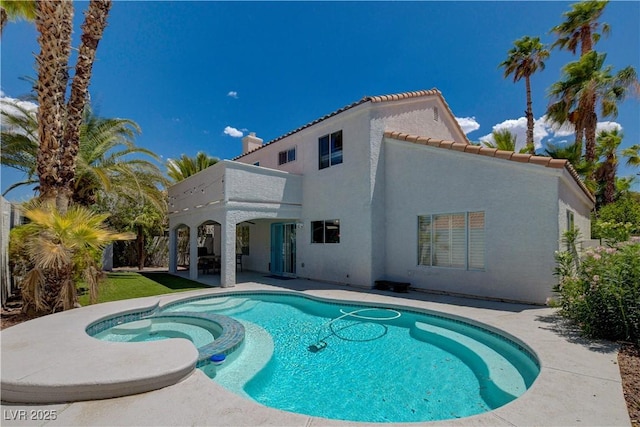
x: 409, y: 367
x: 199, y: 333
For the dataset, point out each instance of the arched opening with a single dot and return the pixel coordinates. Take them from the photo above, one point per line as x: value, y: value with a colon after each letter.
x: 181, y: 247
x: 209, y: 247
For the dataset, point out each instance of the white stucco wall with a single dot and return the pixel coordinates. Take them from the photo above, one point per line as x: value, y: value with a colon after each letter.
x: 413, y: 116
x: 520, y: 202
x: 352, y: 192
x: 377, y: 194
x: 571, y: 198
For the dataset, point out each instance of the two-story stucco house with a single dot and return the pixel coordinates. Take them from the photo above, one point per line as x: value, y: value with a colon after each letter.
x: 387, y: 188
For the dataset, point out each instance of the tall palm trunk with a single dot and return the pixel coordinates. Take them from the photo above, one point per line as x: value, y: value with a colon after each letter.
x: 59, y: 123
x: 529, y: 114
x: 92, y: 29
x: 610, y: 181
x: 590, y: 124
x: 54, y: 22
x: 586, y: 40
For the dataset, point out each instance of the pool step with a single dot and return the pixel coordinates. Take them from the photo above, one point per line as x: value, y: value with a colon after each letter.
x: 213, y: 305
x: 254, y: 357
x: 500, y: 381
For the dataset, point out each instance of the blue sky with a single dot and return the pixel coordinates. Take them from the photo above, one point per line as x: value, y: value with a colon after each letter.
x: 188, y: 71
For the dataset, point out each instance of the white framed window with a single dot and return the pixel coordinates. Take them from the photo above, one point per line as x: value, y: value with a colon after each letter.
x: 454, y: 240
x: 571, y: 224
x: 287, y: 156
x: 330, y: 150
x: 326, y: 231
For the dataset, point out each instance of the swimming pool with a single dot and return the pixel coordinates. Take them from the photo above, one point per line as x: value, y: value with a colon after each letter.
x: 370, y: 364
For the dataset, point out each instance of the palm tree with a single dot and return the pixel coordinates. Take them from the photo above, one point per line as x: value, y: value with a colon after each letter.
x: 108, y: 159
x: 573, y: 153
x: 19, y: 140
x: 186, y: 166
x: 55, y: 251
x: 54, y: 22
x: 570, y: 152
x: 623, y: 186
x: 59, y: 119
x: 11, y: 10
x: 586, y: 83
x: 59, y: 122
x: 92, y: 29
x: 607, y: 148
x: 632, y: 154
x: 524, y: 59
x: 502, y: 140
x: 581, y: 27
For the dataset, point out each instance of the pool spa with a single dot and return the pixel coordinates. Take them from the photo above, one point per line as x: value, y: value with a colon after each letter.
x: 343, y: 360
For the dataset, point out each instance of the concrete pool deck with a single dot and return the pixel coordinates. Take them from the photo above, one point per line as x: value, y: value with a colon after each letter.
x: 579, y: 382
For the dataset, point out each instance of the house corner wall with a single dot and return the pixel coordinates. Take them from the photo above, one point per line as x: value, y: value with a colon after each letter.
x: 520, y: 205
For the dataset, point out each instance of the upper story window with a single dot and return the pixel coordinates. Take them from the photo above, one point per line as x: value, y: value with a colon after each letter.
x: 330, y: 150
x: 287, y: 156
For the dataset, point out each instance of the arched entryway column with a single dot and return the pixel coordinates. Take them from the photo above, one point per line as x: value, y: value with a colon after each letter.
x: 228, y: 255
x: 173, y: 251
x: 193, y: 255
x: 178, y: 239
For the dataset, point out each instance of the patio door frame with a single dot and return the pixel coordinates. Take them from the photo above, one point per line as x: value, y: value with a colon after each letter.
x: 283, y: 249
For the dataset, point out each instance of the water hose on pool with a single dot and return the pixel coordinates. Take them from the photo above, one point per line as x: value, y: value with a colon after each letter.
x: 322, y: 344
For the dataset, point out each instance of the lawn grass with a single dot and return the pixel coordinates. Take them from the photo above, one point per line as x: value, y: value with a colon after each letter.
x: 126, y: 285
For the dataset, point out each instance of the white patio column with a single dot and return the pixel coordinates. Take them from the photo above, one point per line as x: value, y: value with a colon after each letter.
x: 193, y: 253
x: 228, y: 254
x: 173, y: 252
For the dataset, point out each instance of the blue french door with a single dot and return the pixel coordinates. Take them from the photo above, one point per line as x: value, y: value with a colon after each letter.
x: 283, y: 249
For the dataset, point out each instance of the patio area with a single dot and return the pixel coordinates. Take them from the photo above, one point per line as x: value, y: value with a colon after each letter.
x: 579, y: 382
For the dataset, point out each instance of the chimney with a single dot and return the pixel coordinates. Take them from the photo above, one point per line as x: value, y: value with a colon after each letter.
x: 250, y: 143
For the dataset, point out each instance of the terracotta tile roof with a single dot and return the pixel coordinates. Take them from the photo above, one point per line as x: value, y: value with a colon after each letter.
x: 493, y: 152
x: 372, y: 99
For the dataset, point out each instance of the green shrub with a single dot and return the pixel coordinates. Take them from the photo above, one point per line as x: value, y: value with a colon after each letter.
x: 625, y: 210
x: 602, y: 295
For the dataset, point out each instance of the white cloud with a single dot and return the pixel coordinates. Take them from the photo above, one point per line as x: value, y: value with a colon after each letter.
x: 608, y: 126
x: 468, y: 124
x: 233, y: 94
x: 233, y: 132
x: 544, y: 131
x: 10, y: 106
x: 518, y: 127
x: 6, y: 103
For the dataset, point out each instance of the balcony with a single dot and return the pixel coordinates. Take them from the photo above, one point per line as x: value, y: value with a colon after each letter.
x: 230, y: 183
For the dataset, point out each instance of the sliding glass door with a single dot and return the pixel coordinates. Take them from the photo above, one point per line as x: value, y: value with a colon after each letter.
x: 283, y: 249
